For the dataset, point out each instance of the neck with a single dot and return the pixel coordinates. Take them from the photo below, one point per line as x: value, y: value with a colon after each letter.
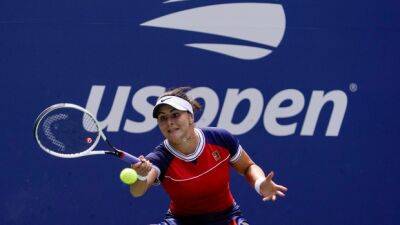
x: 188, y: 144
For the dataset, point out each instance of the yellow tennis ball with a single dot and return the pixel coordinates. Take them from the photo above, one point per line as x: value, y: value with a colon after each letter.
x: 128, y: 176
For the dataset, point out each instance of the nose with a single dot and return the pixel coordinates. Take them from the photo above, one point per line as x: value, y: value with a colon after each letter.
x: 170, y: 120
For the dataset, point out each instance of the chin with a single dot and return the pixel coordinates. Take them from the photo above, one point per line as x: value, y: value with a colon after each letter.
x: 176, y: 138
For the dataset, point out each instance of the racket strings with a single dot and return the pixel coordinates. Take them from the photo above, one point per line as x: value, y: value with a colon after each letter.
x: 89, y: 123
x: 68, y: 131
x: 49, y: 134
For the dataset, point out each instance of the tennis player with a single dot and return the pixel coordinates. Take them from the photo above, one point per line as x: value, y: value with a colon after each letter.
x: 192, y: 164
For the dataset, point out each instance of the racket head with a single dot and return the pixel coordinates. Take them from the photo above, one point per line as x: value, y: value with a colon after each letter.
x: 67, y: 130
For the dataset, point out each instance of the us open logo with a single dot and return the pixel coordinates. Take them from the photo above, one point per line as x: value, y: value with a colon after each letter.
x: 245, y: 31
x: 258, y: 27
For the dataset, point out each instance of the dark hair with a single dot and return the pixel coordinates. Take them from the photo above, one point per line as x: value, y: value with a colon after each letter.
x: 181, y: 93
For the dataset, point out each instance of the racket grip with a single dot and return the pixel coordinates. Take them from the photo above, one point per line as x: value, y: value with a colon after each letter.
x: 128, y: 158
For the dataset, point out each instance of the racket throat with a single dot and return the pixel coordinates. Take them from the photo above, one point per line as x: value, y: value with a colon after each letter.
x: 116, y: 153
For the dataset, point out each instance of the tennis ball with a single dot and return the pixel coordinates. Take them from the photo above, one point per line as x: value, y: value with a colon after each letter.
x: 128, y: 176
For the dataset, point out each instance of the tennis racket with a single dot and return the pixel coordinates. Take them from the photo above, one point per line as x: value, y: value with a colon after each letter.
x: 69, y: 131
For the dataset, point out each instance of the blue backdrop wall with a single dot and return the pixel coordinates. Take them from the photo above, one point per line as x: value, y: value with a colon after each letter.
x: 309, y: 87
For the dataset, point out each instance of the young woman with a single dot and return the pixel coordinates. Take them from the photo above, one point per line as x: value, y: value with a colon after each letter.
x: 192, y: 164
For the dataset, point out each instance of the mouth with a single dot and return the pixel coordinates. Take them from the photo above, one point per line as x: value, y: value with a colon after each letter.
x: 172, y: 130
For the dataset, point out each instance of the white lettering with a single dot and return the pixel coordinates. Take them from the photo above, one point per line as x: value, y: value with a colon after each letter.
x: 318, y: 100
x: 211, y: 105
x: 113, y: 120
x: 232, y: 100
x: 142, y: 106
x: 273, y: 111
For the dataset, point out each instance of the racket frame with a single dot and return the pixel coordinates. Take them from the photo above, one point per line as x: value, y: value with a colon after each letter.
x: 86, y: 152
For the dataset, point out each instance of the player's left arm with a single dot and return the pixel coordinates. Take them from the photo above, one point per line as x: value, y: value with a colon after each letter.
x: 266, y: 187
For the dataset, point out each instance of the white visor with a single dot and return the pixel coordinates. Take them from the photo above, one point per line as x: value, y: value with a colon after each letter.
x: 176, y: 102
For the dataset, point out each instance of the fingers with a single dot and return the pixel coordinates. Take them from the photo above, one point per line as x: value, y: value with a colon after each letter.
x: 271, y: 190
x: 273, y: 195
x: 143, y: 167
x: 142, y: 158
x: 269, y: 198
x: 270, y: 176
x: 281, y: 194
x: 281, y: 188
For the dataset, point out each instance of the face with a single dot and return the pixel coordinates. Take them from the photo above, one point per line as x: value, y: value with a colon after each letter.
x: 174, y: 124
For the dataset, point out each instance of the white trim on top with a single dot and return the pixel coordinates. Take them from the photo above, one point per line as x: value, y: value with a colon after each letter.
x: 236, y: 157
x: 193, y: 156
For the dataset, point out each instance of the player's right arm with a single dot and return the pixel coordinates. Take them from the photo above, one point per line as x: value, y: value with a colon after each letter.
x: 154, y: 166
x: 144, y: 169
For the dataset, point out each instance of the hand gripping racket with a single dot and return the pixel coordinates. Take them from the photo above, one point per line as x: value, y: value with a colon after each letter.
x: 69, y: 131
